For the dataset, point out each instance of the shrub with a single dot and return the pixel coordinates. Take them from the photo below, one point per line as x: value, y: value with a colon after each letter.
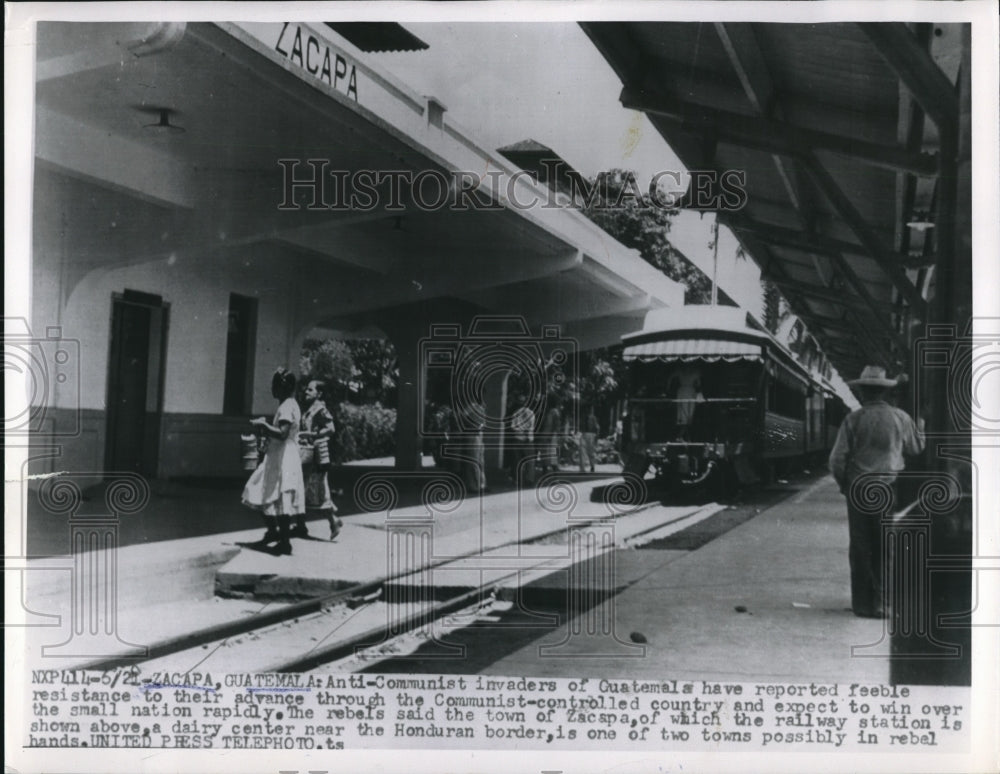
x: 363, y: 432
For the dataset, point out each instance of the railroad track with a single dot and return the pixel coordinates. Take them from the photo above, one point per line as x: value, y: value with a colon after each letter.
x: 306, y: 635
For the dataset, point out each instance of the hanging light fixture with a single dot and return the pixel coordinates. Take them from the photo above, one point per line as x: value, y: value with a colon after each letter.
x: 920, y: 221
x: 163, y: 125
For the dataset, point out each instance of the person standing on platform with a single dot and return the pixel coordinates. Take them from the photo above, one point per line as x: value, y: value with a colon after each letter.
x: 317, y: 424
x: 871, y: 442
x: 475, y: 466
x: 588, y: 440
x: 276, y: 488
x: 548, y: 438
x: 522, y: 428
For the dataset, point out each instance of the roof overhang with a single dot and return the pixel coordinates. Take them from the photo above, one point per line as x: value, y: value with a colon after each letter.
x: 378, y: 36
x: 264, y: 107
x: 844, y: 133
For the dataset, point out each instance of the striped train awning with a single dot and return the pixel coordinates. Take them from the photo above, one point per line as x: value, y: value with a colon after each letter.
x: 689, y: 350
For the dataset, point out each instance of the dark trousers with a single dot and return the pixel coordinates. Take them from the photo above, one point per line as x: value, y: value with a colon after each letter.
x: 521, y: 461
x: 867, y: 559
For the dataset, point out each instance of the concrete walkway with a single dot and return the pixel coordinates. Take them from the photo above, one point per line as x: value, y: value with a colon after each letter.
x: 167, y: 587
x: 366, y: 550
x: 767, y: 601
x: 194, y: 508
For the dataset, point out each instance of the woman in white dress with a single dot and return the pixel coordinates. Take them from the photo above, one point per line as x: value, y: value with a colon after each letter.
x: 277, y: 488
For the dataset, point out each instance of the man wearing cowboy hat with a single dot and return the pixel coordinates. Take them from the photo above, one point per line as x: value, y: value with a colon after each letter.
x: 870, y: 444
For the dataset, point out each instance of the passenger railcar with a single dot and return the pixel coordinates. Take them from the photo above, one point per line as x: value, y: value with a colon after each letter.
x: 714, y: 398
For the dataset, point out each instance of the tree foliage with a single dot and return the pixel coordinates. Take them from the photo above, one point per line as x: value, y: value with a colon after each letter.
x: 376, y: 371
x: 360, y: 377
x: 362, y: 371
x: 635, y: 222
x: 772, y: 306
x: 329, y: 361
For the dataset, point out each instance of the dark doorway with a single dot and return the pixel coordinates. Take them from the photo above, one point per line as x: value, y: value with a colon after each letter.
x: 135, y: 382
x: 240, y: 341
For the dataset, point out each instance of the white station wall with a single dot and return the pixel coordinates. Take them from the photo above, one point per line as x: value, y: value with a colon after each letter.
x: 196, y: 342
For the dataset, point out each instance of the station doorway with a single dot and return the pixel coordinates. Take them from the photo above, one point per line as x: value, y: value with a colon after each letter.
x: 135, y: 382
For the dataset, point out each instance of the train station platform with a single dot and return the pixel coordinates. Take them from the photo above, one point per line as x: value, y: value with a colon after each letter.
x: 167, y: 586
x: 767, y: 601
x: 464, y: 544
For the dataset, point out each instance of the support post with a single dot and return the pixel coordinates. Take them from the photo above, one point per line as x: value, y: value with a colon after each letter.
x: 495, y: 395
x: 412, y: 373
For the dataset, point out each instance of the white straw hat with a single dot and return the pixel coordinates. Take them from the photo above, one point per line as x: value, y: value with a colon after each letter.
x: 873, y: 376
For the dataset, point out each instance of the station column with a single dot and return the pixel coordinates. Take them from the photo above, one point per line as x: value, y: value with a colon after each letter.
x: 412, y: 373
x: 495, y: 398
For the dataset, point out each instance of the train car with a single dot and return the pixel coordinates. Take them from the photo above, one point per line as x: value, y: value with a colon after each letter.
x: 715, y: 399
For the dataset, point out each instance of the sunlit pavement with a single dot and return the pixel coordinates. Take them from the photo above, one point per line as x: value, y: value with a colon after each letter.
x: 767, y: 601
x: 165, y: 586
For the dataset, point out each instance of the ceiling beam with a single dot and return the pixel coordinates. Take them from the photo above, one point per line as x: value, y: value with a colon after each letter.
x: 827, y: 295
x: 538, y: 303
x: 684, y: 82
x: 483, y: 286
x: 910, y: 134
x: 834, y: 324
x: 855, y: 327
x: 776, y: 136
x: 743, y: 48
x: 847, y: 274
x: 820, y: 244
x: 113, y: 161
x: 877, y: 309
x: 865, y: 234
x: 914, y: 66
x: 744, y: 54
x: 773, y: 269
x: 843, y: 357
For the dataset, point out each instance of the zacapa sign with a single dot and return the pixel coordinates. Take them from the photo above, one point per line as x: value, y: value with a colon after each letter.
x: 304, y: 48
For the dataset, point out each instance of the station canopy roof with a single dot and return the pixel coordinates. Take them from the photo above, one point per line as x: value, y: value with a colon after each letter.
x: 836, y: 128
x: 165, y: 143
x: 378, y: 36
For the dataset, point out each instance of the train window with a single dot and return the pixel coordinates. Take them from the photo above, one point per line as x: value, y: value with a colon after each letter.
x: 835, y: 411
x: 697, y: 400
x: 785, y: 400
